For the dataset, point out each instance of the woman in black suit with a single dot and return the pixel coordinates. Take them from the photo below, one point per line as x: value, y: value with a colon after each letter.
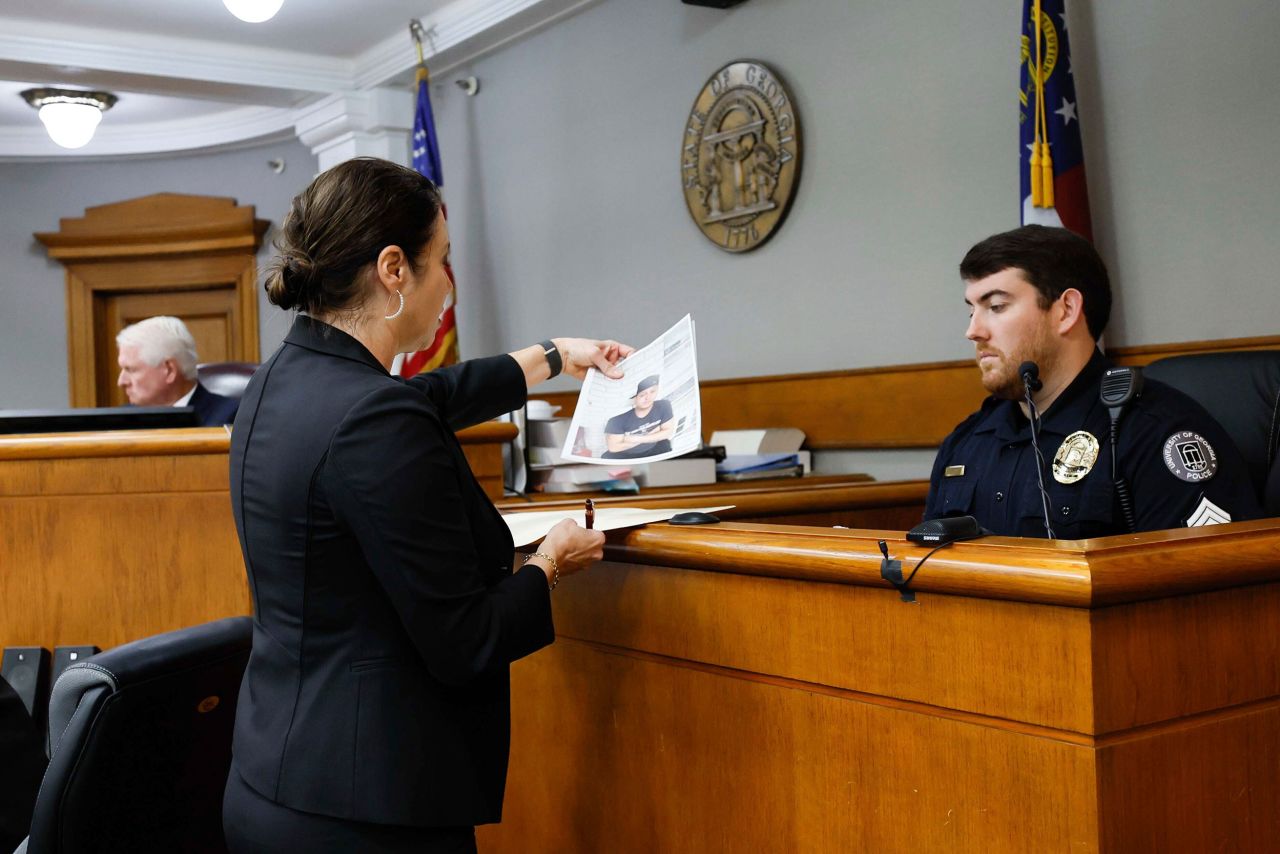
x: 375, y: 711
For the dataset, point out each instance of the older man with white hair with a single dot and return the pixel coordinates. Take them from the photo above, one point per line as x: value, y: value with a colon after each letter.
x: 158, y: 368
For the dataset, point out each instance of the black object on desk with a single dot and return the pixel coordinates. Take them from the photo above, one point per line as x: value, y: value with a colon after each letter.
x: 694, y: 517
x: 948, y: 529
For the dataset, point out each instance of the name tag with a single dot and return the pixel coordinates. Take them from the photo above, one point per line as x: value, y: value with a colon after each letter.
x: 953, y: 471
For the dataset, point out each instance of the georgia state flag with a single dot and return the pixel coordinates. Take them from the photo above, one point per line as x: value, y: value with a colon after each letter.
x: 1070, y: 206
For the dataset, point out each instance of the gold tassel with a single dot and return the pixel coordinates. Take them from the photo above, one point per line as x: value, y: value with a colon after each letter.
x: 1037, y: 190
x: 1046, y: 166
x: 1041, y: 159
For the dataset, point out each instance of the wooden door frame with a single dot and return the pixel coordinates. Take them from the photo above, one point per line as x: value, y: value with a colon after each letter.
x: 192, y: 233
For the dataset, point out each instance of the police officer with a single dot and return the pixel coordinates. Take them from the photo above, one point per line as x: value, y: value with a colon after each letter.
x: 1043, y: 295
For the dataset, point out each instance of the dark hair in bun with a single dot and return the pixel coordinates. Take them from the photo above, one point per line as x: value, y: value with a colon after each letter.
x: 337, y: 226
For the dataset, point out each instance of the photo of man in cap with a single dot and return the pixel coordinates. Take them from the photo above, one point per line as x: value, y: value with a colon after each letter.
x: 645, y: 429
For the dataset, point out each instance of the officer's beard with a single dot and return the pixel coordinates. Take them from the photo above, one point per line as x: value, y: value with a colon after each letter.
x: 1002, y: 379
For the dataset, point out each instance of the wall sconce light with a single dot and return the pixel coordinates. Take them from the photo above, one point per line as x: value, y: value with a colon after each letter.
x: 253, y: 11
x: 70, y: 116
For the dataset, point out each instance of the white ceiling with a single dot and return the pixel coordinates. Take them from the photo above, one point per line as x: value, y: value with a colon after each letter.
x: 190, y: 75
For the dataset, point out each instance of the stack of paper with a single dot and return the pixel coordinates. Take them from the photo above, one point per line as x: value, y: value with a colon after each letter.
x: 550, y: 471
x: 755, y: 466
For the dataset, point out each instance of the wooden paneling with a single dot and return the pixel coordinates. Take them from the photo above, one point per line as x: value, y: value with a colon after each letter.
x: 159, y: 224
x: 949, y: 652
x: 1149, y: 657
x: 707, y: 695
x: 899, y: 406
x: 108, y: 537
x: 652, y: 756
x: 1145, y: 354
x: 188, y: 256
x: 1202, y: 785
x: 106, y: 569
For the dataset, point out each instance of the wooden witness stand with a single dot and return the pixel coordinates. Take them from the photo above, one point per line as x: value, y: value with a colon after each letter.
x: 760, y: 688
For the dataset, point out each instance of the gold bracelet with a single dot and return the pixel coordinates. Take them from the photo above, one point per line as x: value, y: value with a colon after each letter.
x: 555, y: 567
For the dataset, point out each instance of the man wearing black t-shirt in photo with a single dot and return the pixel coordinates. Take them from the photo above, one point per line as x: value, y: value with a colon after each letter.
x: 644, y: 430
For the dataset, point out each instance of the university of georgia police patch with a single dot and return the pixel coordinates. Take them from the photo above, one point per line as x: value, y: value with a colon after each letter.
x: 1190, y: 457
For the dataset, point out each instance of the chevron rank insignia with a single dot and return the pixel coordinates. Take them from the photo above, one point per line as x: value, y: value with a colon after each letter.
x: 1208, y: 513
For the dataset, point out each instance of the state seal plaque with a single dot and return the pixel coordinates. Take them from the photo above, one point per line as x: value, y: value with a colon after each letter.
x: 740, y: 159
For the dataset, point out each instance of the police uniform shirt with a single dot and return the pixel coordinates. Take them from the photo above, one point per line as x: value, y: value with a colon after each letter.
x: 1180, y: 466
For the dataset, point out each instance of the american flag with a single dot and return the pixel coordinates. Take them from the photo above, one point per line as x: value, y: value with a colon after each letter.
x: 426, y: 159
x: 1052, y: 156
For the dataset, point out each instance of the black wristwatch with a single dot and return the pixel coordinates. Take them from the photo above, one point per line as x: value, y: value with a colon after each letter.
x: 553, y: 357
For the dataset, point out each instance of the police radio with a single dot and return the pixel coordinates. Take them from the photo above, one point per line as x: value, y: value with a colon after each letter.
x: 1120, y: 387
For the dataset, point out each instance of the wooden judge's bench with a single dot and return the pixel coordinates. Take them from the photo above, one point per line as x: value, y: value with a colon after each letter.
x: 757, y: 687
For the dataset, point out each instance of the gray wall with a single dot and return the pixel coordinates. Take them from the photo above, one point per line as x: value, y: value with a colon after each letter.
x: 563, y: 182
x: 33, y: 322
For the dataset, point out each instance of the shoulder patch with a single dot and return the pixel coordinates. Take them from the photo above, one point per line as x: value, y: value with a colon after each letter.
x: 1190, y: 457
x: 1207, y: 513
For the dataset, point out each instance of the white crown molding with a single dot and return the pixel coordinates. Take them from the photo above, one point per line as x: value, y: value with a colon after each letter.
x: 463, y: 31
x: 132, y: 53
x: 370, y: 111
x: 375, y: 122
x: 220, y: 130
x: 278, y: 88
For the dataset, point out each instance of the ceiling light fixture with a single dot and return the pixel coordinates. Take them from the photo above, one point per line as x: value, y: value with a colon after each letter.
x: 70, y: 116
x: 253, y: 11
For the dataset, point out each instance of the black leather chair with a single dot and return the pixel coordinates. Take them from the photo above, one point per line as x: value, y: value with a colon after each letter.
x: 1242, y: 391
x: 226, y: 378
x: 22, y: 763
x: 140, y: 740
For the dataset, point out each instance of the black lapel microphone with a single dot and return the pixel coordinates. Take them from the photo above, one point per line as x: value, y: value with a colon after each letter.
x: 1030, y: 374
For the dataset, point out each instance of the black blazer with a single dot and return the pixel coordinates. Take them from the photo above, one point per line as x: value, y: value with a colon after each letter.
x: 385, y: 608
x: 212, y: 410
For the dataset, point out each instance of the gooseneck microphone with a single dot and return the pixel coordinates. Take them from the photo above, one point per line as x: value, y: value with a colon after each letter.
x: 1030, y: 374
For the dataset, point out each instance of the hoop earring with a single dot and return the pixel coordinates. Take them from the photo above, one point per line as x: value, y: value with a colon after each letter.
x: 398, y: 310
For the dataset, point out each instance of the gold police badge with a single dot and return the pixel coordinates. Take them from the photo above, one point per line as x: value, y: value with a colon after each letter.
x: 1075, y: 458
x: 740, y: 157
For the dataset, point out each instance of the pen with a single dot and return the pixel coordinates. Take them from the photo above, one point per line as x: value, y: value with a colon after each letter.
x: 591, y: 513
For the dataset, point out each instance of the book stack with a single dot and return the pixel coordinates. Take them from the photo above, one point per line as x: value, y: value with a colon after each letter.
x: 550, y: 472
x: 759, y: 454
x: 758, y: 466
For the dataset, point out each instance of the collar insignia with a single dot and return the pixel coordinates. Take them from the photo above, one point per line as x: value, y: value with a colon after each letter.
x: 1075, y: 458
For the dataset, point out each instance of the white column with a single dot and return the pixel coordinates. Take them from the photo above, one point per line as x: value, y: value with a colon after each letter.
x: 375, y: 122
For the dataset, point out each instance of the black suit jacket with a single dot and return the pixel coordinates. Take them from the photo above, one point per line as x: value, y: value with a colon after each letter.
x: 385, y: 608
x: 212, y: 410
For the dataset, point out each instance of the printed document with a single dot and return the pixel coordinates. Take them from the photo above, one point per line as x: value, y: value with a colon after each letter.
x: 652, y: 413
